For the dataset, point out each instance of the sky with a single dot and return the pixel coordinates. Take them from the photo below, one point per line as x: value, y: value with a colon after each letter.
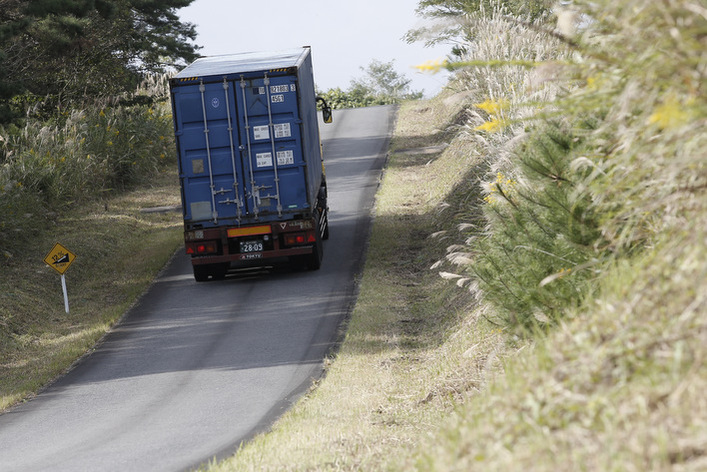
x: 344, y: 35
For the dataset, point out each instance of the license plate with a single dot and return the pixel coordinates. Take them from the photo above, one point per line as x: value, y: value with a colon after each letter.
x: 251, y: 246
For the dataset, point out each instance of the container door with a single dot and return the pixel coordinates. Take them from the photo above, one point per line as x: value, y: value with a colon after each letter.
x: 211, y: 169
x: 272, y: 160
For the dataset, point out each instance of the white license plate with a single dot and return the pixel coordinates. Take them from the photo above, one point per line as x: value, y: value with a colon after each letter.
x: 251, y: 246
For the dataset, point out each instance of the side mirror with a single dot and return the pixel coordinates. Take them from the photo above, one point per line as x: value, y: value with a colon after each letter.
x: 326, y: 110
x: 326, y: 114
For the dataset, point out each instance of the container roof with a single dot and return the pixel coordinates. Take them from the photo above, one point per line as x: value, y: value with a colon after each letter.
x: 244, y: 62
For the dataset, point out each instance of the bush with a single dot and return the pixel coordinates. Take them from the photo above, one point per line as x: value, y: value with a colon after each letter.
x: 536, y: 258
x: 597, y: 153
x: 77, y: 156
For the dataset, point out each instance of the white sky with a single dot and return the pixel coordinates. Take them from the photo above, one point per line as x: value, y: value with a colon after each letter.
x: 344, y: 35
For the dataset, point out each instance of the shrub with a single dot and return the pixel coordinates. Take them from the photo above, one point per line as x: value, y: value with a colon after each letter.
x: 78, y: 155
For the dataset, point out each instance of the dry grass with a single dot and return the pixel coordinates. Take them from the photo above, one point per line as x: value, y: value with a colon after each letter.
x: 411, y: 353
x: 618, y: 387
x: 119, y: 250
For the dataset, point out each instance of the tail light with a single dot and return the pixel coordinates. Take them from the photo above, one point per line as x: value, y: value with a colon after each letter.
x: 202, y: 248
x: 295, y: 239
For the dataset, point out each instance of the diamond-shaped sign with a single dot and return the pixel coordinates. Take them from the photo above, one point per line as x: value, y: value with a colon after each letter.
x: 59, y: 258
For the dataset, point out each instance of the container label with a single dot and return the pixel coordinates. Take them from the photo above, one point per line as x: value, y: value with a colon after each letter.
x: 285, y: 158
x: 277, y: 98
x: 282, y: 130
x: 263, y: 159
x: 279, y: 88
x: 261, y: 132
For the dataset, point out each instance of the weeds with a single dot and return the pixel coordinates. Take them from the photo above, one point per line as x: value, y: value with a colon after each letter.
x: 598, y: 145
x: 80, y: 155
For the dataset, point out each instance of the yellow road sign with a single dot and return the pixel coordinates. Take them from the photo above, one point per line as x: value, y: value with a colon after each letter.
x: 59, y: 258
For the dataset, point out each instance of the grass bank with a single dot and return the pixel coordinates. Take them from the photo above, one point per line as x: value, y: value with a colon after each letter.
x: 119, y: 250
x: 416, y: 345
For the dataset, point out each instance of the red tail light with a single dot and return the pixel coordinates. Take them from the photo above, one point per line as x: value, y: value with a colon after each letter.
x: 210, y: 247
x: 295, y: 239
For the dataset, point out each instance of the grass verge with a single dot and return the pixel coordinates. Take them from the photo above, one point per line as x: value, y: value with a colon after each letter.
x: 411, y: 351
x: 119, y: 250
x: 424, y: 381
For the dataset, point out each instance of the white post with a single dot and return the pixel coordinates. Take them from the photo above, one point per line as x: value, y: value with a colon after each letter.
x: 66, y: 295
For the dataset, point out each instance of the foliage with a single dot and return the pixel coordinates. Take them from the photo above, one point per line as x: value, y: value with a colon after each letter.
x: 645, y: 63
x: 605, y: 168
x: 458, y: 8
x: 450, y: 19
x: 381, y: 85
x: 66, y: 51
x: 536, y: 258
x: 381, y: 80
x: 80, y: 155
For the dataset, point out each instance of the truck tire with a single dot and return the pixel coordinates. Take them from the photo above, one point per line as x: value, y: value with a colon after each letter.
x: 314, y: 261
x: 201, y: 273
x: 215, y: 271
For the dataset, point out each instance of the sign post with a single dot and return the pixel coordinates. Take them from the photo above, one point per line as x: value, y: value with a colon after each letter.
x: 59, y: 259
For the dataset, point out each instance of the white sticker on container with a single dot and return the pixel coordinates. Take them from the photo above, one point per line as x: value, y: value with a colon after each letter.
x: 263, y: 159
x: 282, y: 130
x: 285, y: 158
x: 261, y: 132
x: 277, y: 98
x: 279, y: 88
x: 293, y: 88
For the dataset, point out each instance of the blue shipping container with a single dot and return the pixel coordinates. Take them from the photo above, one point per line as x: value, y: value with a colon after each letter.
x: 247, y: 138
x: 250, y: 161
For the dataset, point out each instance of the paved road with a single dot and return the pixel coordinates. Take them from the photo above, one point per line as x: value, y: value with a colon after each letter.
x: 195, y: 369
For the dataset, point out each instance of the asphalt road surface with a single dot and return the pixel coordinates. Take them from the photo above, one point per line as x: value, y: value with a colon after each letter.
x: 195, y: 369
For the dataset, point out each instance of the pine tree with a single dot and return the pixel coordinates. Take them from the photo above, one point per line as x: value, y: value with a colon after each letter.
x: 70, y: 49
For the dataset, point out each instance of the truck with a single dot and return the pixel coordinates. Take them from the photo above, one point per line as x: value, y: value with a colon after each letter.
x: 251, y: 170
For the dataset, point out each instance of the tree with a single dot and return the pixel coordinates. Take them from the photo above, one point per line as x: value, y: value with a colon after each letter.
x: 382, y: 81
x: 446, y: 32
x: 532, y: 9
x: 70, y: 49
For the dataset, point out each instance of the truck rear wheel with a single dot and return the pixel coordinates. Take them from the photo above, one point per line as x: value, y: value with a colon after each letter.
x: 314, y: 262
x: 204, y: 271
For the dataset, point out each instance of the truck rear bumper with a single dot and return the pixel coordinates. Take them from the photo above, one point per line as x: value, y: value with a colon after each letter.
x: 251, y: 257
x: 252, y: 243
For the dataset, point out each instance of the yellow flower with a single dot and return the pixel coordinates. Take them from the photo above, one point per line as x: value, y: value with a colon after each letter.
x: 491, y: 107
x: 102, y: 114
x: 492, y: 126
x: 432, y: 66
x: 670, y: 114
x: 110, y: 143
